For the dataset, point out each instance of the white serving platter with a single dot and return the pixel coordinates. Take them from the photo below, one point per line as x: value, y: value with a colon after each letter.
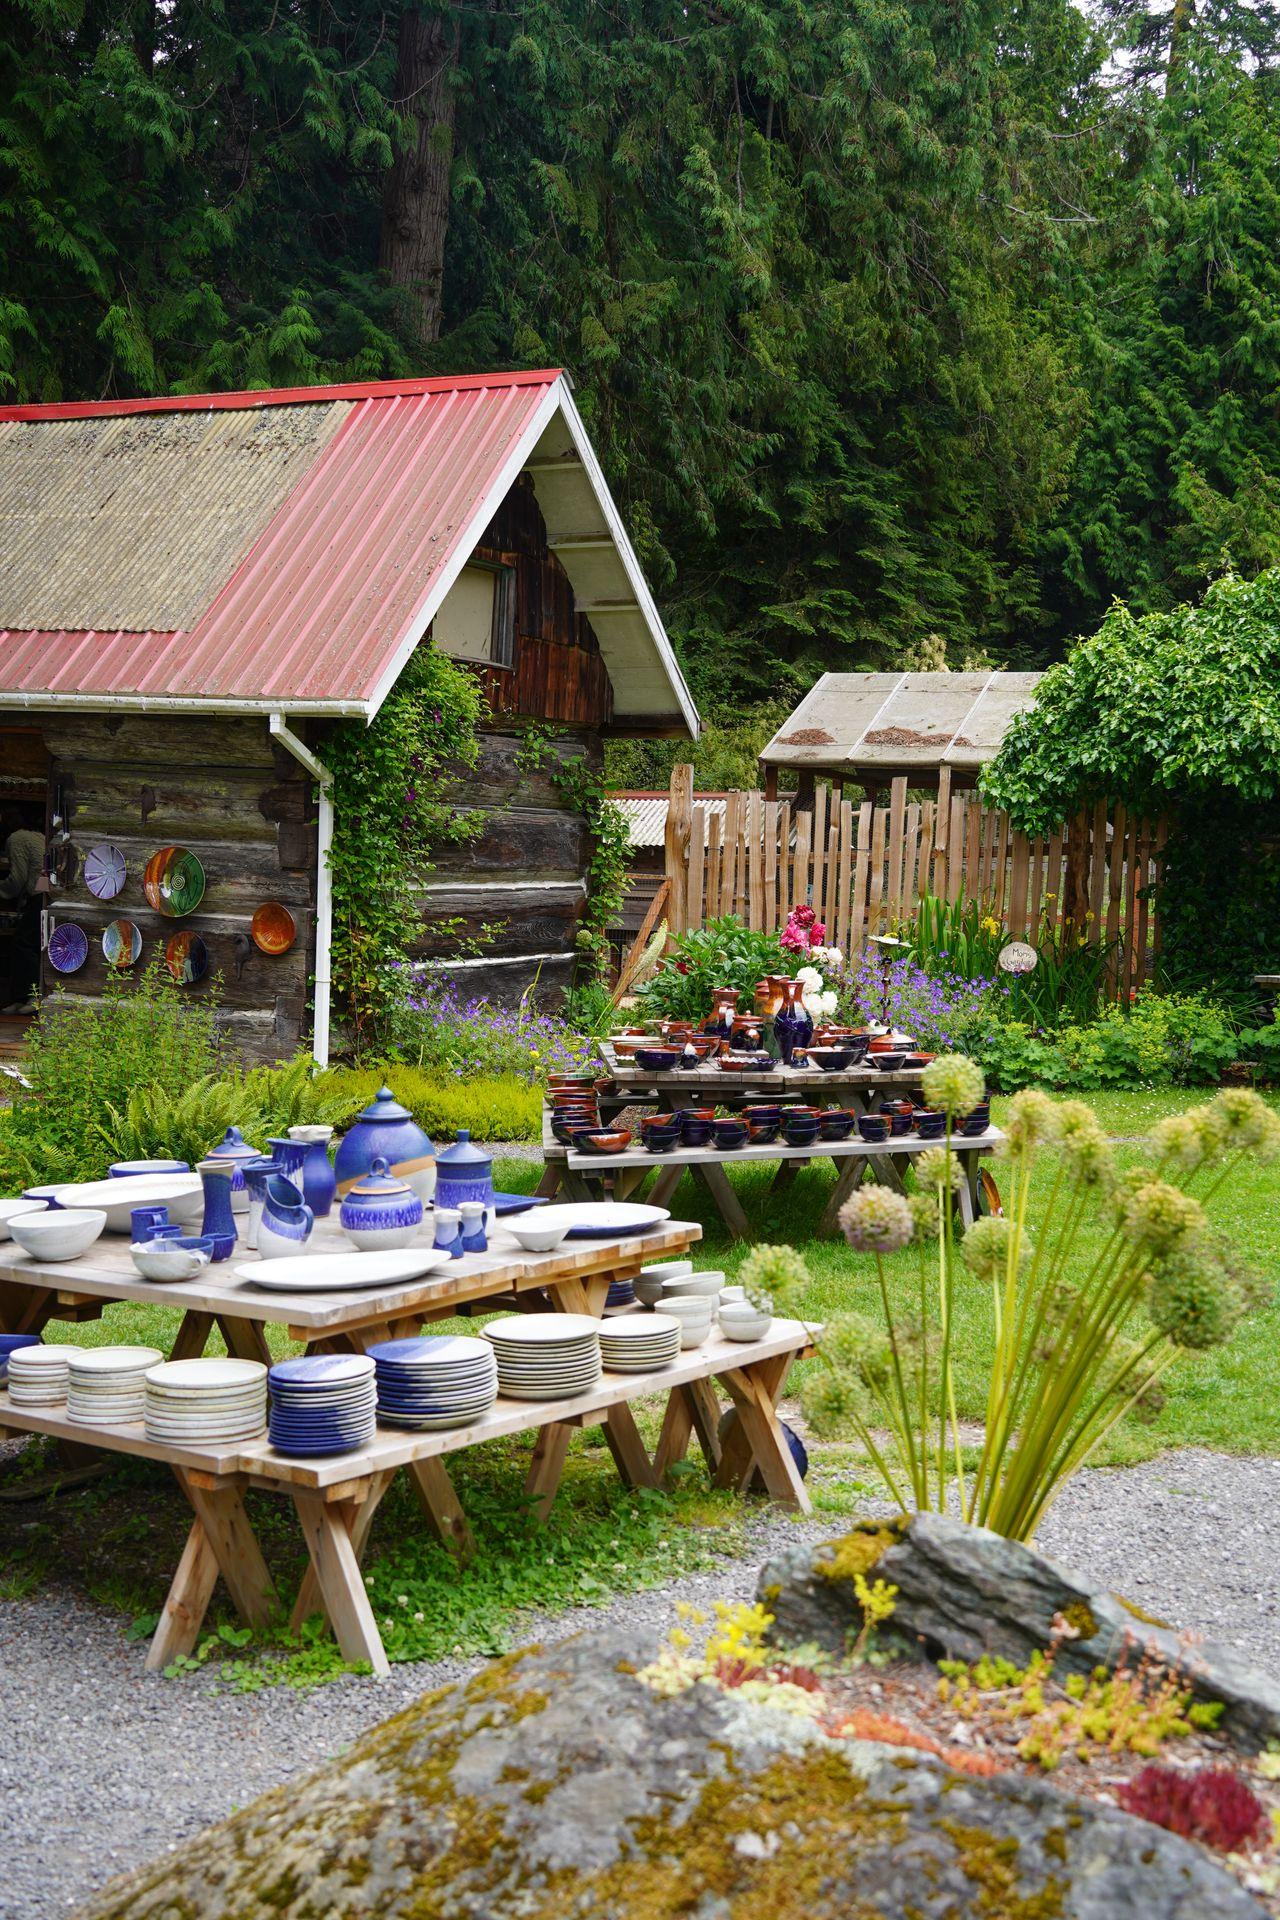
x: 180, y: 1192
x: 603, y: 1219
x: 341, y: 1272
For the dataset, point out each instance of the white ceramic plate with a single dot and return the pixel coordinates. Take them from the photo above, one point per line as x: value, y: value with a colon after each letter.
x: 638, y: 1327
x: 538, y: 1329
x: 115, y: 1360
x: 338, y: 1272
x: 180, y: 1192
x: 602, y: 1219
x: 195, y: 1376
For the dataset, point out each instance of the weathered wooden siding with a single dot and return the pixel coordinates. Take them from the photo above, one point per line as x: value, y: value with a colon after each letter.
x: 522, y: 877
x: 221, y: 787
x: 559, y: 673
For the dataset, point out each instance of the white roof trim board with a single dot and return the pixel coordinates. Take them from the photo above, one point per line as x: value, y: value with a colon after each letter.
x: 901, y: 722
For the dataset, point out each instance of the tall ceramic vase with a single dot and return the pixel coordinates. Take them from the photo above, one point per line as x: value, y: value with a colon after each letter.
x: 219, y: 1221
x: 318, y: 1178
x: 792, y: 1026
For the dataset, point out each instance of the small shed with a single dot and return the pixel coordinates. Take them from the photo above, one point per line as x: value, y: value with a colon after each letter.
x: 195, y: 589
x: 874, y: 727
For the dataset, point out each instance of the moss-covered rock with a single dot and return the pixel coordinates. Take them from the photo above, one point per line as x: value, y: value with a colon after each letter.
x: 557, y: 1786
x: 964, y: 1592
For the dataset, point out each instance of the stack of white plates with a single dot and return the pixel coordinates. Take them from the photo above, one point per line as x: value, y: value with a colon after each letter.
x: 435, y: 1381
x: 107, y: 1386
x: 38, y: 1375
x: 546, y: 1356
x: 639, y: 1343
x: 195, y: 1402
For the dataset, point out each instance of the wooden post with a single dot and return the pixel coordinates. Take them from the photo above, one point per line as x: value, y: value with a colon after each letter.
x: 941, y: 841
x: 770, y: 782
x: 679, y: 824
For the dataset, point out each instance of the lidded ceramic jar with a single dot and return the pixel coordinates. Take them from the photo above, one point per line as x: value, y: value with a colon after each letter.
x: 380, y: 1210
x: 465, y: 1172
x: 387, y: 1131
x: 233, y: 1147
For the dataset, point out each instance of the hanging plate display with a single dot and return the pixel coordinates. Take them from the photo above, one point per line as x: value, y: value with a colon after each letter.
x: 187, y: 958
x: 68, y: 947
x: 273, y: 927
x: 104, y: 871
x: 122, y: 944
x: 174, y: 882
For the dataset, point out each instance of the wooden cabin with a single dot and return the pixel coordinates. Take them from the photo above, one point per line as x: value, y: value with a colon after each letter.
x: 196, y: 589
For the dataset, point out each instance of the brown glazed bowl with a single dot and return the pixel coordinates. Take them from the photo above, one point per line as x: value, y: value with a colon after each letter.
x: 604, y: 1140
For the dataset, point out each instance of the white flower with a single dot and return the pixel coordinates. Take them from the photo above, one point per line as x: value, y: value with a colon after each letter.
x: 811, y: 978
x: 827, y: 956
x: 812, y: 1004
x: 830, y: 1001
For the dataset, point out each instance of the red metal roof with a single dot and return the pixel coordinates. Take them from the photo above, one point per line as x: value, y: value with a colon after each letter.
x: 275, y: 396
x: 321, y: 609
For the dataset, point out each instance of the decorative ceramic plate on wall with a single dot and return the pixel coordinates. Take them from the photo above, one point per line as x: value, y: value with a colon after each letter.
x: 273, y: 927
x: 187, y: 957
x: 121, y: 944
x: 105, y: 870
x: 68, y: 947
x: 173, y: 882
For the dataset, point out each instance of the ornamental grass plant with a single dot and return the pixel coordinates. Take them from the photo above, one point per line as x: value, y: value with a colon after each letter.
x: 1082, y: 1336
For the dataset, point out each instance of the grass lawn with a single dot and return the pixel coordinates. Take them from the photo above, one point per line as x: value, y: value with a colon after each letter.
x: 119, y: 1538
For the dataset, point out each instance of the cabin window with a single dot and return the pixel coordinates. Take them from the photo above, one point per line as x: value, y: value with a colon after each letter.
x: 478, y: 618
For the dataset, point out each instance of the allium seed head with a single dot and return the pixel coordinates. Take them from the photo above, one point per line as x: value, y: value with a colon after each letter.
x: 876, y: 1220
x: 1191, y: 1299
x: 1159, y: 1217
x: 985, y: 1248
x: 953, y: 1083
x: 935, y: 1169
x: 1032, y: 1119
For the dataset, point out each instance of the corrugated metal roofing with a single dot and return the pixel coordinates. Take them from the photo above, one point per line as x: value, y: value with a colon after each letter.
x: 646, y: 814
x: 901, y: 722
x: 321, y: 611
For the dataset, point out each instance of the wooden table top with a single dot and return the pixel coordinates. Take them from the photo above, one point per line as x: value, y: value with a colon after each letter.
x: 107, y: 1272
x: 396, y: 1447
x: 779, y: 1079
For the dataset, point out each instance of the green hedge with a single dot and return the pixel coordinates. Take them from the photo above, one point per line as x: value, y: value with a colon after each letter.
x: 501, y: 1108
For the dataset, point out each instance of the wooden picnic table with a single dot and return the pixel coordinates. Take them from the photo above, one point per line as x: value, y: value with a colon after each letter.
x: 576, y: 1278
x: 622, y: 1174
x: 855, y: 1087
x: 337, y: 1497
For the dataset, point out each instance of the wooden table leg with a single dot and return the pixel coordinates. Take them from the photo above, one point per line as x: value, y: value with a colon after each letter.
x: 785, y: 1176
x: 736, y: 1466
x: 549, y: 1185
x: 677, y: 1432
x: 245, y: 1338
x: 546, y: 1466
x: 310, y: 1599
x: 186, y: 1601
x: 26, y: 1309
x: 851, y: 1176
x: 579, y: 1293
x: 442, y: 1507
x: 629, y: 1457
x: 716, y: 1181
x: 666, y: 1183
x: 220, y: 1510
x: 326, y: 1527
x: 192, y: 1337
x: 768, y: 1443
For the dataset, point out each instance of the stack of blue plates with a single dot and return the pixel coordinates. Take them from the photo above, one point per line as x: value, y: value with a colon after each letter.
x: 621, y: 1294
x: 323, y: 1403
x: 441, y: 1380
x: 9, y: 1343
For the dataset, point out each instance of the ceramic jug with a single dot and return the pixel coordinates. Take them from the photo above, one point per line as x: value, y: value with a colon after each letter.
x: 256, y: 1174
x: 235, y: 1150
x: 287, y: 1220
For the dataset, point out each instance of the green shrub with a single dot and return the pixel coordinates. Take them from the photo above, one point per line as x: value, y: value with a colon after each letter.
x: 1164, y: 1040
x: 501, y: 1107
x: 724, y: 953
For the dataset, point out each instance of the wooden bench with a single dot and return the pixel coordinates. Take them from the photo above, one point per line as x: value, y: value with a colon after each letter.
x: 337, y: 1498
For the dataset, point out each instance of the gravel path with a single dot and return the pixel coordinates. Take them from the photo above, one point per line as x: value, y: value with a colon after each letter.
x: 114, y: 1766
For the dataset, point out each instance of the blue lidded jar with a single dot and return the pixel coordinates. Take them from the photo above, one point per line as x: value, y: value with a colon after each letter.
x: 465, y: 1172
x: 387, y: 1131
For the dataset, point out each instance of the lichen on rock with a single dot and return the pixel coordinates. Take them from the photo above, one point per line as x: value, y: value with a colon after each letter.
x: 557, y: 1786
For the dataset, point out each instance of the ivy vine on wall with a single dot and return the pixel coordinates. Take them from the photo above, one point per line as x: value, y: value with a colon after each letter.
x: 582, y: 786
x: 391, y: 814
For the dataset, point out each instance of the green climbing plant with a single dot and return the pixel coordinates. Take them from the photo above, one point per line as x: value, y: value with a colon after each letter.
x: 392, y: 814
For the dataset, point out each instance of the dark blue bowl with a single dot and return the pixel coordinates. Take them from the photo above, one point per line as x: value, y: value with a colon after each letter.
x: 656, y: 1059
x: 800, y: 1133
x: 696, y: 1133
x: 730, y: 1133
x: 763, y: 1133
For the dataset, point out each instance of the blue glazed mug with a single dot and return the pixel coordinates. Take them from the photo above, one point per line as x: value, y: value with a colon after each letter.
x: 145, y: 1223
x: 474, y: 1239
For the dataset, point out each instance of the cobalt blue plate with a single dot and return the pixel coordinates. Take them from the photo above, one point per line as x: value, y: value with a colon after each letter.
x: 504, y: 1203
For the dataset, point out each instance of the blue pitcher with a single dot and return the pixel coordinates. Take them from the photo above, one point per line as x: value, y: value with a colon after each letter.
x: 287, y: 1220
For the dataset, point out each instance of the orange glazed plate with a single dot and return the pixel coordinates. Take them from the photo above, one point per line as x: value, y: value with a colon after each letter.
x: 274, y: 928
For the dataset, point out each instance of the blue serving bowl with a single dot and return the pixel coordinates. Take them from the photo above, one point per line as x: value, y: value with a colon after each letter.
x: 799, y: 1133
x: 656, y: 1059
x: 874, y: 1127
x: 763, y: 1133
x: 836, y: 1123
x: 729, y: 1132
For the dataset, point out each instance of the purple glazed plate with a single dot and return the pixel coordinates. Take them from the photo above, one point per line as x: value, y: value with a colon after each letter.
x: 105, y: 870
x: 68, y: 947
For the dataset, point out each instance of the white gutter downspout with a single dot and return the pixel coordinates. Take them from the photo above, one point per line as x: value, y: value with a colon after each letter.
x: 324, y: 879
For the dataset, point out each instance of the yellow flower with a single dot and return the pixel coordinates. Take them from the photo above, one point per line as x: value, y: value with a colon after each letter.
x: 1090, y: 916
x: 990, y: 926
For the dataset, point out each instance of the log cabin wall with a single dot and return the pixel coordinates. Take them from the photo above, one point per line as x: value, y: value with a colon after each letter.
x: 523, y: 877
x: 221, y: 787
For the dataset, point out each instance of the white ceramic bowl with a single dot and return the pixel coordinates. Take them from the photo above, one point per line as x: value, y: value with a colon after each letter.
x: 648, y: 1292
x: 161, y: 1260
x: 707, y: 1285
x: 534, y: 1235
x: 732, y: 1294
x: 8, y: 1208
x: 666, y: 1270
x: 750, y: 1325
x: 690, y: 1306
x: 693, y: 1329
x: 63, y: 1233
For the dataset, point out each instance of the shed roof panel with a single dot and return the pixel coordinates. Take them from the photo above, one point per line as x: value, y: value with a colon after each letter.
x: 852, y: 723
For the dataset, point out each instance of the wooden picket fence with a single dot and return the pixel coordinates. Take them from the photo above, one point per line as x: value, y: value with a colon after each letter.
x: 863, y: 867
